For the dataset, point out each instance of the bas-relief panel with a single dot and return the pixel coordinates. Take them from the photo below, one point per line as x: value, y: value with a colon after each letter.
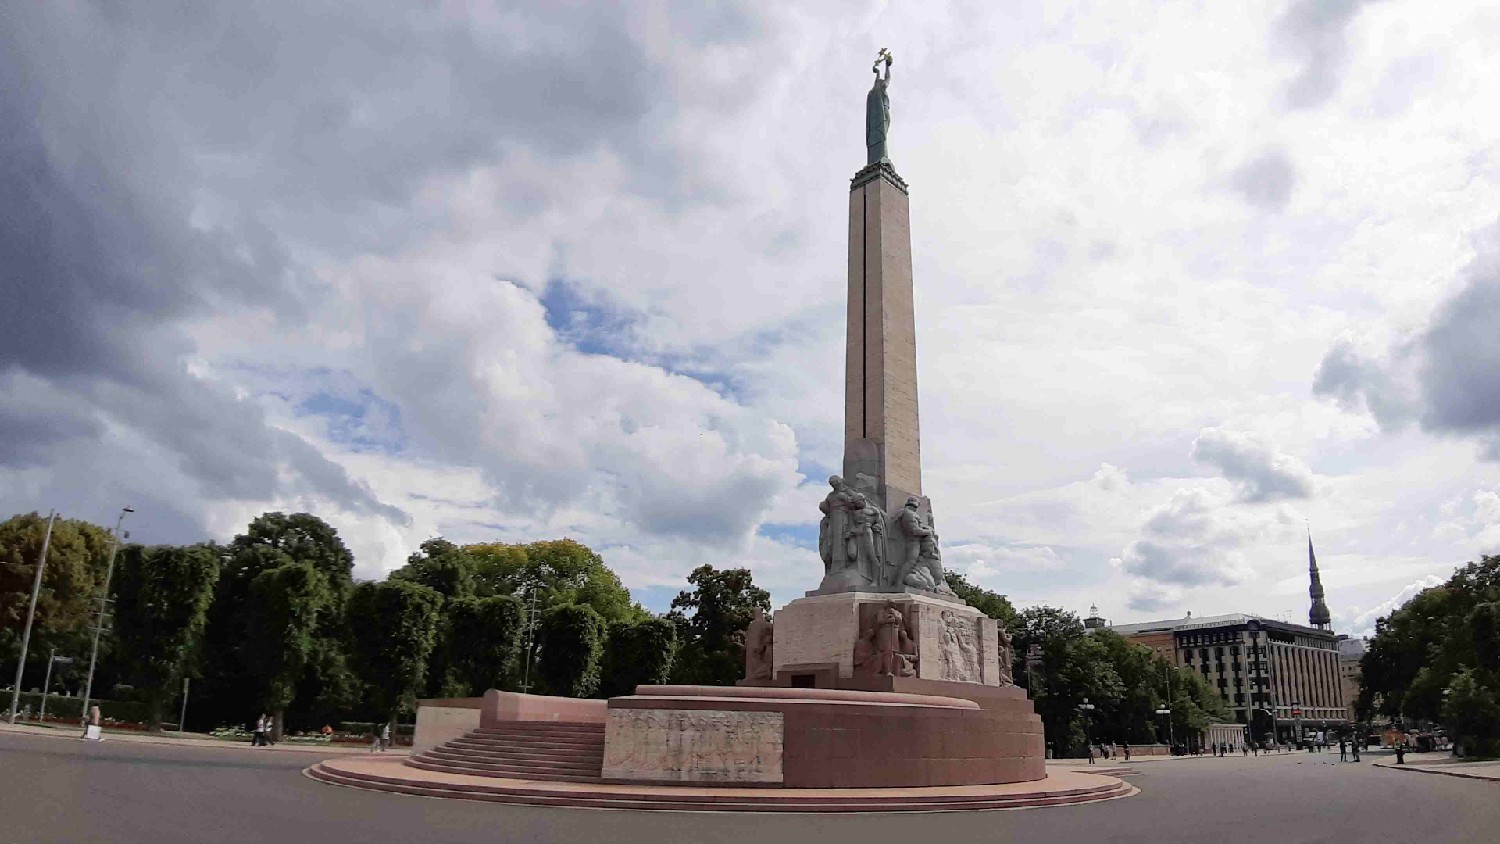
x: 693, y: 745
x: 959, y: 647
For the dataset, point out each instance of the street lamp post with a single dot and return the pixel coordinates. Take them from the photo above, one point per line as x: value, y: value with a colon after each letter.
x: 1086, y: 708
x: 36, y: 589
x: 47, y: 684
x: 530, y: 641
x: 109, y: 572
x: 1171, y: 735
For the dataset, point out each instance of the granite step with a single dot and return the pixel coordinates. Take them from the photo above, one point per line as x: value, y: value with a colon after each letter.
x: 520, y: 773
x: 662, y: 799
x: 549, y: 743
x: 550, y: 763
x: 514, y: 755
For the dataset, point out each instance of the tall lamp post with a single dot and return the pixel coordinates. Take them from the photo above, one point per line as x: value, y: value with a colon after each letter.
x: 109, y: 573
x: 36, y: 589
x: 1171, y: 735
x: 1087, y: 709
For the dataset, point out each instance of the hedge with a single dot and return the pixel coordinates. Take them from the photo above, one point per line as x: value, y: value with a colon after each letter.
x: 72, y: 707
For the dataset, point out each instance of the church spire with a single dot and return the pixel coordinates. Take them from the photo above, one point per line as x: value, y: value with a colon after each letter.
x: 1317, y: 615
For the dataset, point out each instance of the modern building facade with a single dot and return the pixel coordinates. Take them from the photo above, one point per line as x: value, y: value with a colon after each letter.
x: 1276, y: 677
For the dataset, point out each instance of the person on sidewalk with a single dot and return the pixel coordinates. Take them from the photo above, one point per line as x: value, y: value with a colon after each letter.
x: 1091, y: 754
x: 1354, y: 746
x: 1401, y: 753
x: 1125, y: 746
x: 1343, y: 751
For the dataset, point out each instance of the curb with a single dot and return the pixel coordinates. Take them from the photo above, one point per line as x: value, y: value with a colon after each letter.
x: 206, y: 744
x: 1417, y: 770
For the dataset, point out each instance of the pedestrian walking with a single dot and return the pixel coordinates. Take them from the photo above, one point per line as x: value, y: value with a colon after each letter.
x: 1125, y: 746
x: 1091, y: 754
x: 1354, y: 746
x: 1343, y: 751
x: 1401, y: 753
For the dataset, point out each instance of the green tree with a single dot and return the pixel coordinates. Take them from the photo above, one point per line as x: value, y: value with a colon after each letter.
x: 65, y: 608
x: 393, y: 627
x: 557, y: 571
x: 711, y: 619
x: 162, y: 596
x: 441, y: 566
x: 232, y: 638
x: 283, y: 611
x: 570, y: 638
x: 1472, y: 712
x: 483, y: 643
x: 992, y: 604
x: 1419, y: 649
x: 638, y: 653
x: 1074, y: 668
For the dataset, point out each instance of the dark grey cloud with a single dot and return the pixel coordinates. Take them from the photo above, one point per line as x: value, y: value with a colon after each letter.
x: 162, y: 165
x: 1315, y: 32
x: 1257, y: 470
x: 1445, y: 377
x: 1266, y: 181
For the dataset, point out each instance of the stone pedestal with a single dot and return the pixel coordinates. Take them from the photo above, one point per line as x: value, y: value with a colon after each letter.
x: 816, y: 638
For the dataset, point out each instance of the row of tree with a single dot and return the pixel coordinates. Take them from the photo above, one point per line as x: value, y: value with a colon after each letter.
x: 1124, y: 683
x: 274, y: 620
x: 1437, y: 659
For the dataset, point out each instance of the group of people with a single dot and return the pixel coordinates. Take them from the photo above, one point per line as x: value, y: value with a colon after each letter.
x: 265, y: 731
x: 1109, y: 750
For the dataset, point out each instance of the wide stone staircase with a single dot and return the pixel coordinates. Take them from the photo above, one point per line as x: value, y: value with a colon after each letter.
x: 532, y: 750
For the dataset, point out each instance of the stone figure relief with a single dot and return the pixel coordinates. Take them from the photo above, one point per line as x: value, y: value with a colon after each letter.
x: 921, y: 563
x: 694, y: 745
x: 1005, y: 655
x: 851, y: 537
x: 886, y: 646
x: 760, y: 642
x: 960, y: 657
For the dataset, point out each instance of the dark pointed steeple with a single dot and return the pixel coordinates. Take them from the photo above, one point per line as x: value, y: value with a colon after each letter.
x: 1318, y: 615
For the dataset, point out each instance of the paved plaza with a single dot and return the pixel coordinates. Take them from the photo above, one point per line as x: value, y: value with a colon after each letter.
x: 57, y: 790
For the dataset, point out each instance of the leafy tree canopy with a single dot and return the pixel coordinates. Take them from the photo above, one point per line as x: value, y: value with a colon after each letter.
x: 711, y: 619
x: 559, y: 571
x: 441, y: 566
x: 638, y: 653
x: 990, y: 603
x: 571, y: 642
x: 76, y: 560
x: 162, y: 596
x: 393, y: 627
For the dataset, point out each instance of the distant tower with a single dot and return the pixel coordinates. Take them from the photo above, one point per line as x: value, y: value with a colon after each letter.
x: 1094, y: 622
x: 1317, y: 615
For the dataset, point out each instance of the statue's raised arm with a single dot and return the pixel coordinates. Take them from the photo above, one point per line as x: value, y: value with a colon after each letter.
x: 878, y: 111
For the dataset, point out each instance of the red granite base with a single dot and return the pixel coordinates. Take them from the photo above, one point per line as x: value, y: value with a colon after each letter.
x: 879, y: 739
x: 386, y: 774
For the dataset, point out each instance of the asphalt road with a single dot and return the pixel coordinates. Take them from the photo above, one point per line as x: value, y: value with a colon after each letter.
x: 54, y: 790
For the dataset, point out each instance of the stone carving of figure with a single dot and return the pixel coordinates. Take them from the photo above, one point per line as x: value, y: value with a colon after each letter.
x: 921, y: 563
x: 851, y: 536
x: 957, y: 647
x: 886, y: 647
x: 759, y: 644
x: 1005, y: 655
x: 878, y: 111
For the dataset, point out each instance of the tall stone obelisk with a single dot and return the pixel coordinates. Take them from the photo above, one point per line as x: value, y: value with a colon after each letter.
x: 881, y: 440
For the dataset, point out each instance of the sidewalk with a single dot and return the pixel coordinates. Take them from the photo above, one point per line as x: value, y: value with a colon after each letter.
x: 193, y: 740
x: 1442, y: 762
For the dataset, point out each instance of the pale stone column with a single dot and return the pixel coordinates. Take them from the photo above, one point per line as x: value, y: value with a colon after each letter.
x: 881, y: 437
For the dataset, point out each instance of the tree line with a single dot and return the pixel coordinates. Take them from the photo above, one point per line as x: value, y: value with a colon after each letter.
x: 1437, y: 659
x: 275, y: 621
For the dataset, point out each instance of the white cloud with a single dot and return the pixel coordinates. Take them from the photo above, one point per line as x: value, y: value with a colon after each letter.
x: 353, y: 253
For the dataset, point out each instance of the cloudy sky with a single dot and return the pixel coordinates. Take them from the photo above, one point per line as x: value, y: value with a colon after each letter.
x: 1189, y: 276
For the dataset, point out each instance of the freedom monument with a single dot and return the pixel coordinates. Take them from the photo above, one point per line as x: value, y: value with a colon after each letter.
x: 880, y: 690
